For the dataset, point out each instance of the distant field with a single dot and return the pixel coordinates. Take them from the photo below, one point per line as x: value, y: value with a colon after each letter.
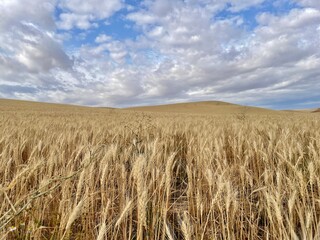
x: 208, y: 170
x: 213, y: 107
x: 310, y: 110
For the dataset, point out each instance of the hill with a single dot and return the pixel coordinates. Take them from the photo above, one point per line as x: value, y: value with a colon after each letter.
x: 207, y: 107
x: 20, y: 105
x: 307, y: 110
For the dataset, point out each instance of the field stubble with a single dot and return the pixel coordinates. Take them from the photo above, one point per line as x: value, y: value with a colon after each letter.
x: 107, y: 174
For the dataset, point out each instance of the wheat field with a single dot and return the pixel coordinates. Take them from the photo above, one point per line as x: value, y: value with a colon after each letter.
x: 91, y: 173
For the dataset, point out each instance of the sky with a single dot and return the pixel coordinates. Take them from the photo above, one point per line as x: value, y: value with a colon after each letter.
x: 121, y: 53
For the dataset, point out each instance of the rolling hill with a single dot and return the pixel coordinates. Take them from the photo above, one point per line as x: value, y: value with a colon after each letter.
x: 307, y: 110
x: 20, y: 105
x: 207, y: 107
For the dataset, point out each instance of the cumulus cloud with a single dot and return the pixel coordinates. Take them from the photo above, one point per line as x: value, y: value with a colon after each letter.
x: 102, y: 38
x: 29, y: 50
x: 82, y: 14
x: 184, y: 51
x: 36, y: 11
x: 71, y: 20
x: 309, y: 3
x: 223, y: 57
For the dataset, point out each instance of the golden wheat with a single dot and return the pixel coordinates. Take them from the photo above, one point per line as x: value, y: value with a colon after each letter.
x: 85, y: 173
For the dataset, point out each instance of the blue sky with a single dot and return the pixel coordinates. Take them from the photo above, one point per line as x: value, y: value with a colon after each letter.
x: 125, y: 53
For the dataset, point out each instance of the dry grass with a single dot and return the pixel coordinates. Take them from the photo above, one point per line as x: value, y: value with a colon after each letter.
x: 83, y: 173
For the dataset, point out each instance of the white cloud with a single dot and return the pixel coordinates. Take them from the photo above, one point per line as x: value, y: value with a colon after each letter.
x: 29, y: 49
x: 102, y: 38
x: 100, y: 8
x: 82, y: 14
x: 37, y: 51
x: 116, y: 50
x: 297, y: 19
x: 142, y: 18
x: 71, y: 20
x: 217, y: 57
x: 237, y: 5
x: 309, y: 3
x: 27, y: 38
x: 37, y: 11
x: 183, y: 53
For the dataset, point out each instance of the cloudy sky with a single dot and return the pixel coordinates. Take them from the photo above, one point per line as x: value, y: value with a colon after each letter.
x: 128, y: 52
